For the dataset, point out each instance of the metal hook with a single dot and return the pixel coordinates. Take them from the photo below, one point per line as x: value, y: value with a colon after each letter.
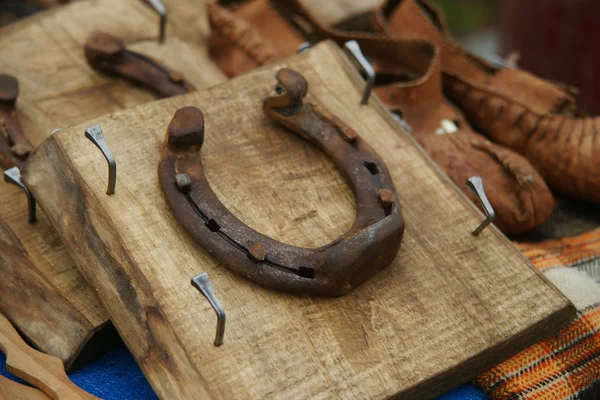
x: 476, y: 185
x: 354, y: 49
x: 13, y: 176
x: 96, y: 136
x: 303, y: 47
x: 202, y: 283
x: 161, y: 10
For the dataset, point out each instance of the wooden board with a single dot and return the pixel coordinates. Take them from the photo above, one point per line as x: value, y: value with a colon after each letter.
x: 43, y: 294
x: 448, y: 307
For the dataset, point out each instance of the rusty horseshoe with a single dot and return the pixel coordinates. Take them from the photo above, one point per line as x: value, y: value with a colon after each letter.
x: 332, y: 270
x: 14, y: 146
x: 108, y: 54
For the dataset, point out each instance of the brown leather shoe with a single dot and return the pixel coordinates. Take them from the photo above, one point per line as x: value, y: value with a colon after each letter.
x: 515, y: 189
x: 252, y: 35
x: 532, y: 116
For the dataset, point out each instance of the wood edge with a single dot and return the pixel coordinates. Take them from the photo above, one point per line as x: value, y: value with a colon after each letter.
x: 355, y: 77
x: 553, y: 322
x: 89, y: 336
x: 162, y: 384
x: 83, y: 322
x: 86, y: 325
x: 452, y: 378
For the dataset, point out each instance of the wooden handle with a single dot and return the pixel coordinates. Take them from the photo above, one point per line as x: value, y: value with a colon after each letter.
x: 41, y: 370
x: 11, y: 390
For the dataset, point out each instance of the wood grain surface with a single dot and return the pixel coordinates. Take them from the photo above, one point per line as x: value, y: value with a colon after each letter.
x: 41, y: 292
x: 449, y: 306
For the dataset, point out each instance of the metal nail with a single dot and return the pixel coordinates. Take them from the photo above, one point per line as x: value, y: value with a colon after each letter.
x: 358, y: 56
x: 161, y: 10
x: 257, y: 252
x: 202, y: 283
x: 13, y: 176
x: 304, y: 46
x: 476, y: 185
x: 386, y: 197
x: 95, y: 134
x: 183, y: 182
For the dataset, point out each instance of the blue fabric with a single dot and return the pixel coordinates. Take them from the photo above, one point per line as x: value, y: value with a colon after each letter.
x: 116, y: 376
x: 465, y: 392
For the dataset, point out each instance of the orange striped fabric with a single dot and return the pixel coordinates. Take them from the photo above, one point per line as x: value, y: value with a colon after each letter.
x: 566, y: 365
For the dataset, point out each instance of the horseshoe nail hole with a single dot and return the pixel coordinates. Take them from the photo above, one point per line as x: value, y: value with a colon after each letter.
x: 372, y: 167
x: 307, y: 272
x: 213, y: 226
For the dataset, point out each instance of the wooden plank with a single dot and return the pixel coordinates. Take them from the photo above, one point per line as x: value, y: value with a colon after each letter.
x: 448, y: 307
x: 43, y: 294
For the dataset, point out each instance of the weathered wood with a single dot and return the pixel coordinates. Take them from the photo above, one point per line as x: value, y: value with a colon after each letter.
x: 449, y: 306
x: 41, y: 370
x: 42, y: 293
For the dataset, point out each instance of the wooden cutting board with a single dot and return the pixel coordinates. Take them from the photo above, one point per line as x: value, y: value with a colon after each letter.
x: 448, y: 307
x: 42, y: 292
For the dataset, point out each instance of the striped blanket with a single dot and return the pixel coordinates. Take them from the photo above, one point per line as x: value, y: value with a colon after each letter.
x: 566, y: 365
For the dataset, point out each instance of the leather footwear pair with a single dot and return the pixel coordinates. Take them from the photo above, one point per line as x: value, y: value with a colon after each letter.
x: 534, y: 117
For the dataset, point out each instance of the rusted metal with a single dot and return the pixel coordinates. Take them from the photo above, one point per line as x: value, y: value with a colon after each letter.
x: 108, y: 54
x: 332, y: 270
x: 14, y: 147
x: 386, y: 197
